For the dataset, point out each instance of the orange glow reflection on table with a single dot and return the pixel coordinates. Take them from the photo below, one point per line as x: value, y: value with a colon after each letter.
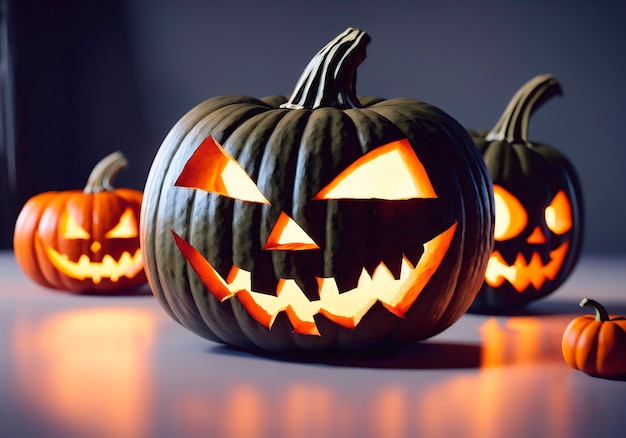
x: 497, y: 400
x: 308, y: 411
x: 88, y: 369
x: 246, y: 410
x: 522, y: 339
x: 301, y: 409
x: 390, y: 412
x: 502, y: 395
x: 484, y: 403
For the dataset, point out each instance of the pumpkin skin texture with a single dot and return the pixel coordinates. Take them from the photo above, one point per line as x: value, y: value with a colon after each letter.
x: 539, y: 206
x: 595, y: 344
x: 83, y: 240
x: 219, y: 263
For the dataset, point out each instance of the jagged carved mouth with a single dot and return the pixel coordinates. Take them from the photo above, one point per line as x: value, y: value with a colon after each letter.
x: 345, y: 309
x: 521, y: 274
x: 126, y: 266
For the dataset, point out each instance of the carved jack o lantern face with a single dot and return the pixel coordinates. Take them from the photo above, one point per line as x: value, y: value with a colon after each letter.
x: 534, y: 236
x: 539, y: 213
x: 391, y: 172
x: 93, y: 251
x: 321, y: 221
x: 83, y: 240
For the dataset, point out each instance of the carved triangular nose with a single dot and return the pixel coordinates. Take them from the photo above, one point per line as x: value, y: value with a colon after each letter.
x: 288, y: 235
x: 536, y: 236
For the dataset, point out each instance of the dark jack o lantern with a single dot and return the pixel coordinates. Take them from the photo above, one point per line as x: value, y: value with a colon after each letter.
x: 319, y: 222
x: 539, y: 207
x: 83, y: 240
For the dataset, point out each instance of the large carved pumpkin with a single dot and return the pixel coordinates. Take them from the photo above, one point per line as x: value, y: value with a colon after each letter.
x: 539, y: 207
x: 321, y: 222
x: 83, y: 240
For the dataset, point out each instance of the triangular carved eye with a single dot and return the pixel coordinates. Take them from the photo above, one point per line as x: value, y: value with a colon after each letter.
x: 391, y: 172
x: 71, y: 229
x: 212, y: 169
x: 126, y: 227
x: 511, y: 216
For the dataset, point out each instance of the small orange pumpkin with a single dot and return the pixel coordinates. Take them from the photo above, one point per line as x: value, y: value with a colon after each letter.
x: 596, y: 344
x: 83, y: 240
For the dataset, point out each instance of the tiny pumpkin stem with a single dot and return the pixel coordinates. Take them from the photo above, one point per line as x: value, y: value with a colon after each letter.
x: 601, y: 313
x: 103, y: 173
x: 330, y: 78
x: 513, y: 124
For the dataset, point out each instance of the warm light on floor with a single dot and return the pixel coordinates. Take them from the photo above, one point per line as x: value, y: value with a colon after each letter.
x: 57, y: 359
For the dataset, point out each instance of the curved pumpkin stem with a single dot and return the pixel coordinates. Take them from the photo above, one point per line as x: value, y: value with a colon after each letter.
x: 601, y: 313
x: 330, y: 78
x: 103, y: 173
x: 513, y: 124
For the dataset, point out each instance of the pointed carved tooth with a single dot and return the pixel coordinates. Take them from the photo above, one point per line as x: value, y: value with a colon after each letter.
x: 83, y: 261
x: 238, y: 279
x: 126, y: 259
x: 327, y: 288
x: 405, y: 269
x: 382, y: 276
x: 365, y: 280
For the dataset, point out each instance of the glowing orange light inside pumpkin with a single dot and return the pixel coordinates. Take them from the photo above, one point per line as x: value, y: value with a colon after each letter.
x: 288, y: 235
x: 559, y: 214
x: 126, y: 227
x: 345, y: 309
x: 71, y: 229
x: 511, y: 217
x: 128, y: 265
x: 522, y: 274
x: 392, y: 171
x: 511, y: 220
x: 212, y: 169
x: 536, y: 237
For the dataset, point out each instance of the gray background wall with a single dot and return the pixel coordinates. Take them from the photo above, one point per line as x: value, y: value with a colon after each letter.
x: 96, y: 76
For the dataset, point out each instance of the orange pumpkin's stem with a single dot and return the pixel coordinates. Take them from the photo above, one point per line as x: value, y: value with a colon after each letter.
x: 330, y: 78
x: 103, y: 173
x: 601, y: 313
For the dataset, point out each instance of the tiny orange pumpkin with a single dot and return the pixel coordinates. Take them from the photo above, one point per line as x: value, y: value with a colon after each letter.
x: 83, y: 240
x: 596, y: 344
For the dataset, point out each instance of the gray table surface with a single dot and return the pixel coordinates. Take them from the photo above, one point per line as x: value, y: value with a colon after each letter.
x: 118, y: 366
